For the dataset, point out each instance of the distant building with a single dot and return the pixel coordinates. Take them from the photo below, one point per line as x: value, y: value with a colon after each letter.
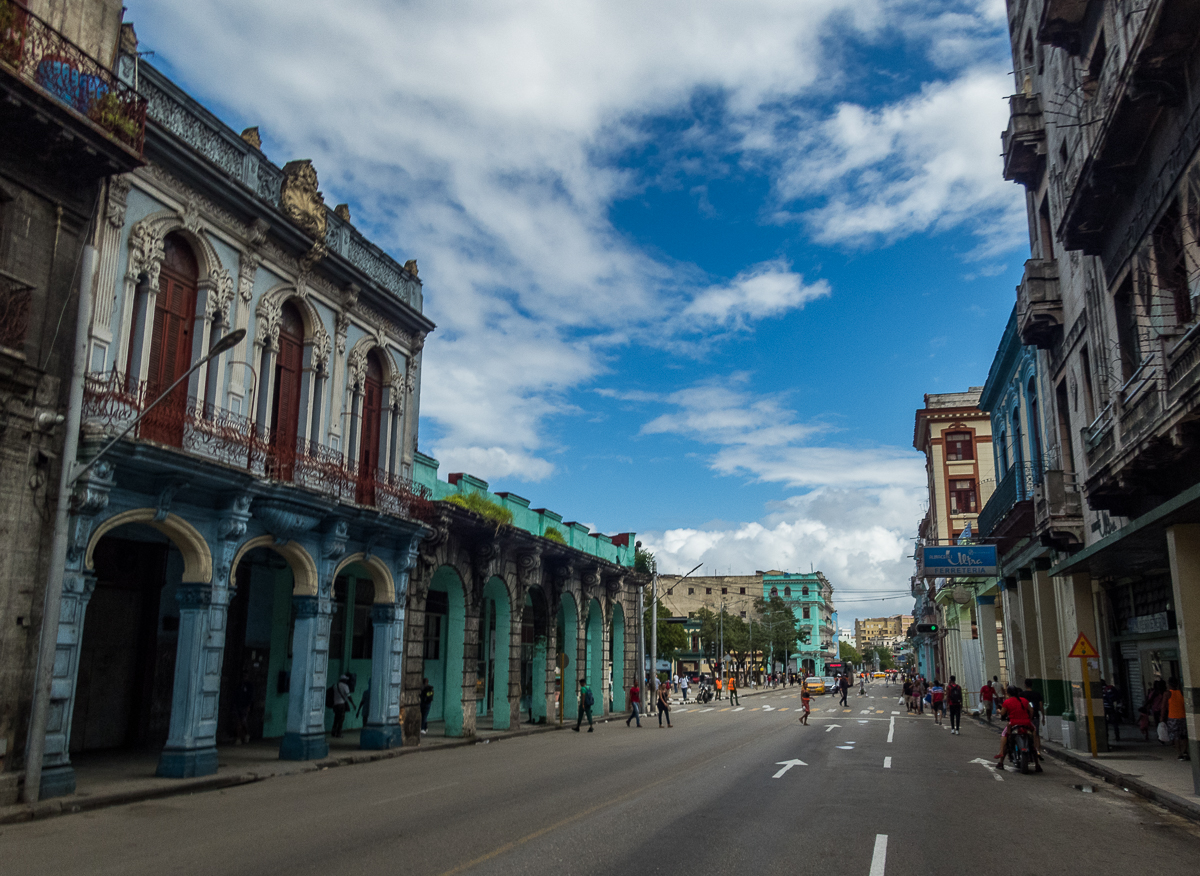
x: 875, y: 631
x: 846, y: 634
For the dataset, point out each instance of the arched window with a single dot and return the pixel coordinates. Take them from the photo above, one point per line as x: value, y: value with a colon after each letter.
x: 804, y: 591
x: 774, y: 591
x: 1018, y: 450
x: 372, y: 414
x: 1035, y: 425
x: 285, y: 407
x: 787, y: 591
x: 171, y: 340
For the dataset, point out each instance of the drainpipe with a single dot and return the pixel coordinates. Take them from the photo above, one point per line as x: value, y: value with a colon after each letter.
x: 35, y: 745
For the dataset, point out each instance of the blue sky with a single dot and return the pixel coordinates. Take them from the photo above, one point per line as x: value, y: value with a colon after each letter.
x: 693, y: 264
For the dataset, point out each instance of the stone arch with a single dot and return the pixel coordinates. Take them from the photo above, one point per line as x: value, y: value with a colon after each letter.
x: 304, y: 568
x: 594, y: 649
x: 616, y: 650
x: 267, y: 316
x: 146, y: 254
x: 446, y: 671
x: 356, y: 360
x: 497, y: 651
x: 381, y: 576
x: 567, y: 619
x: 197, y: 558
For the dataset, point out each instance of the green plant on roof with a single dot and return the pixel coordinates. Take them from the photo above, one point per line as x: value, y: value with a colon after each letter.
x: 554, y: 535
x: 498, y: 514
x: 111, y: 112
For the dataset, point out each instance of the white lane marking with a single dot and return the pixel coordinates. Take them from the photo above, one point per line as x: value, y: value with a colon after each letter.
x: 846, y: 747
x: 895, y: 713
x: 831, y: 726
x: 865, y: 712
x: 787, y: 765
x: 768, y: 708
x: 739, y: 708
x: 879, y: 858
x: 891, y: 733
x: 413, y: 794
x: 702, y: 711
x: 887, y: 763
x: 680, y: 710
x: 991, y: 765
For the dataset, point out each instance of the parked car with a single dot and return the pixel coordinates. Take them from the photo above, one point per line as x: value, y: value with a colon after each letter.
x: 830, y: 684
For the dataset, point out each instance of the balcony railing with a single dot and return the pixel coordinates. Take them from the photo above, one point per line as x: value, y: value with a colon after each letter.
x: 1039, y: 304
x: 1016, y: 486
x: 197, y: 429
x: 42, y: 56
x: 15, y: 298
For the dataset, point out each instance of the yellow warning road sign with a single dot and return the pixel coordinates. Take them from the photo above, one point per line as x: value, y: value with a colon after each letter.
x: 1083, y: 648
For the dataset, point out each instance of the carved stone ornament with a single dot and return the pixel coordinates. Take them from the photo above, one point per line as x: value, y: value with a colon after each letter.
x: 269, y: 312
x: 300, y: 199
x: 190, y: 216
x: 257, y: 232
x: 411, y: 267
x: 145, y: 253
x: 118, y: 194
x: 358, y: 367
x: 247, y: 269
x: 321, y: 346
x: 529, y: 569
x: 341, y: 325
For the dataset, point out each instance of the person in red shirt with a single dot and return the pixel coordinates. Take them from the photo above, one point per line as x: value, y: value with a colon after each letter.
x: 1019, y: 714
x: 635, y: 705
x: 986, y: 695
x: 805, y: 700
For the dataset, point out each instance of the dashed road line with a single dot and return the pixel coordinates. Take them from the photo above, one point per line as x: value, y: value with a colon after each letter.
x: 891, y: 729
x: 879, y: 857
x: 887, y: 763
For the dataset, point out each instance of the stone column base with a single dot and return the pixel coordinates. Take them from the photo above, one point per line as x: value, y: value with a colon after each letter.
x: 410, y: 719
x: 303, y: 746
x: 187, y: 763
x: 57, y: 781
x: 378, y: 738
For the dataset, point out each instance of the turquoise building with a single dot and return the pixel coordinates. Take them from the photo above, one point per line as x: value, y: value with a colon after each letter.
x: 810, y: 596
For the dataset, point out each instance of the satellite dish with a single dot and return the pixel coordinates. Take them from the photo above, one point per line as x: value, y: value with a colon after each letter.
x: 961, y: 596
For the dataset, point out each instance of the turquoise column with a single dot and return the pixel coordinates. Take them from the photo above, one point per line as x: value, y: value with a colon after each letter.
x: 382, y: 727
x: 305, y: 736
x: 191, y: 748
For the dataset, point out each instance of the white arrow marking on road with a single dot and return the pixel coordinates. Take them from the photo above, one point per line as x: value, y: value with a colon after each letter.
x: 991, y: 765
x: 887, y: 763
x: 831, y: 726
x: 879, y: 858
x: 787, y: 765
x: 891, y: 729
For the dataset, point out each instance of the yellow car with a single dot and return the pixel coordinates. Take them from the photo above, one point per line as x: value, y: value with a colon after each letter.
x: 879, y: 675
x: 814, y: 685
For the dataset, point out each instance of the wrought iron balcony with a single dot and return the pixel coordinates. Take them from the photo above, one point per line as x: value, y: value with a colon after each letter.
x: 1015, y: 487
x: 197, y: 429
x: 1024, y: 142
x: 1039, y: 304
x: 15, y: 298
x: 45, y: 59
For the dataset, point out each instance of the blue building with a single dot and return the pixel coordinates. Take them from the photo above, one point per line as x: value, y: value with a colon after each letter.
x: 810, y: 596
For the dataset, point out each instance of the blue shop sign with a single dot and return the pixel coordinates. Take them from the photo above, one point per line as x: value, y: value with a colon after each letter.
x: 976, y: 561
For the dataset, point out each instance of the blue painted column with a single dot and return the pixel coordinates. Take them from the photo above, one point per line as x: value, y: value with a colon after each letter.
x: 58, y: 776
x: 305, y: 735
x: 382, y: 727
x: 191, y: 748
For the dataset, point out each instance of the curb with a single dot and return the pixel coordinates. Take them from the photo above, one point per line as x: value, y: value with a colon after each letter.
x: 70, y: 805
x: 1153, y: 793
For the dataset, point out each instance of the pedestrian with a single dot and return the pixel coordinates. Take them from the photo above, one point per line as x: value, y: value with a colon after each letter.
x: 1177, y: 718
x: 718, y: 687
x: 341, y: 704
x: 683, y: 686
x: 806, y: 702
x: 1109, y: 696
x: 999, y: 690
x: 243, y: 699
x: 664, y: 706
x: 675, y: 683
x: 987, y: 696
x: 936, y: 696
x: 426, y: 703
x: 844, y: 686
x: 733, y: 696
x: 586, y: 701
x: 364, y: 704
x: 954, y: 699
x: 635, y: 703
x: 908, y: 693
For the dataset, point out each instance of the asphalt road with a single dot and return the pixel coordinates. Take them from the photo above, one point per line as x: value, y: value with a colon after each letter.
x: 700, y: 798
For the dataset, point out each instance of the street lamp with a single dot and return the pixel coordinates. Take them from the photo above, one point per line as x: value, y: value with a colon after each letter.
x: 654, y: 625
x: 35, y: 746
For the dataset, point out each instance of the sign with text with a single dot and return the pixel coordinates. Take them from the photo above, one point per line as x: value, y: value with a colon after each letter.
x: 958, y: 561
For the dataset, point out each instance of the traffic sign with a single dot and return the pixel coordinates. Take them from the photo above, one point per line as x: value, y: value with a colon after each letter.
x: 562, y: 660
x: 1083, y: 648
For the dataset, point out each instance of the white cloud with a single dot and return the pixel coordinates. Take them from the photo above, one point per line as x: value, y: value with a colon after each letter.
x: 479, y: 137
x: 858, y: 537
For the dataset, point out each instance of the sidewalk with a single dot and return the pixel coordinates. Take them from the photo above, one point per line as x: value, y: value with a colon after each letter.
x: 118, y: 777
x: 1148, y: 769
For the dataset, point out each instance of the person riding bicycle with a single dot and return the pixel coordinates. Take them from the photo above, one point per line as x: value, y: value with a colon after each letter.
x: 1019, y: 714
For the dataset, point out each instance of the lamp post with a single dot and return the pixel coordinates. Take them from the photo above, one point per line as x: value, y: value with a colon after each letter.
x: 35, y: 746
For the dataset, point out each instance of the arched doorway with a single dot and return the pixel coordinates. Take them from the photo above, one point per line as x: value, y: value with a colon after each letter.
x: 372, y: 416
x: 535, y: 622
x: 127, y: 655
x: 352, y: 638
x: 616, y: 658
x: 594, y: 649
x: 171, y: 340
x: 285, y: 407
x: 445, y: 627
x: 568, y: 644
x: 496, y: 647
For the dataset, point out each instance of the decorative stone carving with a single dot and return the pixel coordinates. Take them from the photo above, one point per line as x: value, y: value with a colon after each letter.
x: 357, y: 366
x: 349, y: 297
x: 166, y: 495
x: 529, y: 569
x: 321, y: 346
x: 250, y: 135
x: 285, y: 520
x: 341, y: 325
x: 300, y: 200
x: 411, y: 267
x: 145, y: 252
x: 342, y: 211
x: 118, y: 194
x: 256, y: 233
x: 190, y: 215
x: 247, y: 270
x: 266, y: 328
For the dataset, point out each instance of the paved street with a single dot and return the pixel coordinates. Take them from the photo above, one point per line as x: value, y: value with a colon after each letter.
x: 700, y: 798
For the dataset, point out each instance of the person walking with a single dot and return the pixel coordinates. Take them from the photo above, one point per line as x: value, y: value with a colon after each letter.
x: 586, y: 701
x: 341, y: 704
x: 720, y: 685
x: 844, y: 687
x: 1177, y: 718
x: 426, y: 703
x: 908, y: 693
x: 806, y: 702
x: 664, y: 706
x: 733, y: 696
x: 635, y: 703
x: 683, y: 686
x: 937, y: 696
x: 987, y: 696
x: 1109, y: 695
x: 954, y: 700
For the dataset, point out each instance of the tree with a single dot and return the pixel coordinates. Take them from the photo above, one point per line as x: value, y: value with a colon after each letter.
x: 672, y: 638
x: 781, y: 632
x: 849, y: 653
x: 883, y: 652
x: 644, y: 561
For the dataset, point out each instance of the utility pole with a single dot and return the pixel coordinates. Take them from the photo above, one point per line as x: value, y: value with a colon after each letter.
x: 654, y: 632
x: 721, y: 641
